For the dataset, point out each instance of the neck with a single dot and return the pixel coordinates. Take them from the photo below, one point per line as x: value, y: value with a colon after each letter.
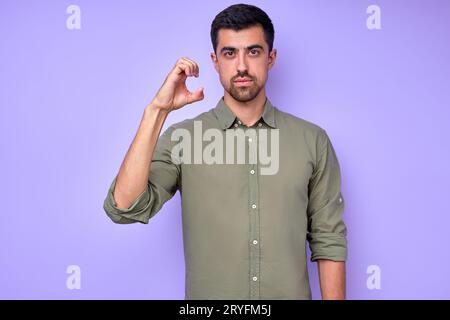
x: 248, y: 112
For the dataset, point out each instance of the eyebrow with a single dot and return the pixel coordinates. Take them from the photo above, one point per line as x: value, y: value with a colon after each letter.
x: 253, y: 46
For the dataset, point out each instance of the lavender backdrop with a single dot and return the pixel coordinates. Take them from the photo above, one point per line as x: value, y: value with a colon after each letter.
x: 71, y: 101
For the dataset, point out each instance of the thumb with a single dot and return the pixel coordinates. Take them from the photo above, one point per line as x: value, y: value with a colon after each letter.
x: 197, y: 95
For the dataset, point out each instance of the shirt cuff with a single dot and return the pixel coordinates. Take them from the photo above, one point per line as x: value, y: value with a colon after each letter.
x: 329, y: 246
x: 126, y: 215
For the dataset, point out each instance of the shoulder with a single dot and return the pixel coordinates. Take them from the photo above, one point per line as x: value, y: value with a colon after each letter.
x: 298, y: 125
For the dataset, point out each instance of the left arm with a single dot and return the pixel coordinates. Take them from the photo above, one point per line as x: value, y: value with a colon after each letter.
x: 332, y: 279
x: 327, y: 232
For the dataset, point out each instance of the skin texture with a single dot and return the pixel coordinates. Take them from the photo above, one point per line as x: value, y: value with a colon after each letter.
x: 244, y: 54
x: 332, y: 279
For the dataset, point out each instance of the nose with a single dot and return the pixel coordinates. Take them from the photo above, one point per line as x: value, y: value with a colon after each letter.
x: 242, y: 63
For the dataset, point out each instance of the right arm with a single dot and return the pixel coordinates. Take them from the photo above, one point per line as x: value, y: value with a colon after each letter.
x: 135, y: 169
x: 132, y: 179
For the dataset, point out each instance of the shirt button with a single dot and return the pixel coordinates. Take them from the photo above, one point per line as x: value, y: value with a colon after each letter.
x: 340, y: 200
x: 255, y: 278
x: 259, y: 124
x: 255, y: 241
x: 235, y: 125
x: 254, y: 206
x: 250, y: 139
x: 252, y: 171
x: 239, y: 122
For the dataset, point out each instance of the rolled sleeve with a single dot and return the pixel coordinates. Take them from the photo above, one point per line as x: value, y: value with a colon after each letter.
x: 162, y: 184
x: 327, y: 232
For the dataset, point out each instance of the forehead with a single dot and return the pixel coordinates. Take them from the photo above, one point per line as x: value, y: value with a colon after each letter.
x: 241, y: 38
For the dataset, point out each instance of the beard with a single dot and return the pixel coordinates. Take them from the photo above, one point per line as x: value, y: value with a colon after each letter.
x: 244, y: 94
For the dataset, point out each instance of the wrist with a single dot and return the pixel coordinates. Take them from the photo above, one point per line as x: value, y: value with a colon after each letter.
x: 152, y: 108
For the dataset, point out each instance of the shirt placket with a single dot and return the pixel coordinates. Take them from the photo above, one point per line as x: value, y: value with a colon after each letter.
x: 254, y: 216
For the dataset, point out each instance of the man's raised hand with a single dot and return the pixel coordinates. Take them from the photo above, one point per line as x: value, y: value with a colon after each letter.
x: 174, y: 94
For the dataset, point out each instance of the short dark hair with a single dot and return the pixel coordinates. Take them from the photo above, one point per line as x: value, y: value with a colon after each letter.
x: 242, y: 16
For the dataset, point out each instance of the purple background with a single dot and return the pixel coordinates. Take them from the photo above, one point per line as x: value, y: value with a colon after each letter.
x: 71, y: 102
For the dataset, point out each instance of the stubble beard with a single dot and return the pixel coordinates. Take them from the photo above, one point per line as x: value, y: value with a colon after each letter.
x: 244, y: 94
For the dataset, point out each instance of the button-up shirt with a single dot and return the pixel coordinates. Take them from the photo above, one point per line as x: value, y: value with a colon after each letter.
x: 245, y: 231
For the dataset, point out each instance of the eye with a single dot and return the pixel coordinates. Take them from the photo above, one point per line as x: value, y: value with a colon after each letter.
x: 254, y: 52
x: 229, y: 53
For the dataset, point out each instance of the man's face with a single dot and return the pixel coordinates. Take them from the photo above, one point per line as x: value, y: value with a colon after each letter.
x: 243, y: 61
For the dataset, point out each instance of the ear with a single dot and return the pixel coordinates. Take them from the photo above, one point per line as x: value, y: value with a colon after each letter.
x: 272, y: 57
x: 215, y: 61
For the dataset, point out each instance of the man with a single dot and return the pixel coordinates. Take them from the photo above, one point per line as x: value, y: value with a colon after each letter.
x: 244, y: 229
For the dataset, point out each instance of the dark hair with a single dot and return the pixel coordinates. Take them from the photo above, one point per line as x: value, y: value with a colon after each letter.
x: 242, y: 16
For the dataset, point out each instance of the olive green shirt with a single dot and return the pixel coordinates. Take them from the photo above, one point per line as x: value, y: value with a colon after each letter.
x: 244, y: 232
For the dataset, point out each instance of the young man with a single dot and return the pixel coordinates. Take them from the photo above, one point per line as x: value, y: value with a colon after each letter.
x: 245, y: 222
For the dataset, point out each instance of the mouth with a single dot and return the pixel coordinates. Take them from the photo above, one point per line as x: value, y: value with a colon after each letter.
x: 242, y: 82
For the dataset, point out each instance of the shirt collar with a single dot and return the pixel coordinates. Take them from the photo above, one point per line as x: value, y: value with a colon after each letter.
x: 226, y: 117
